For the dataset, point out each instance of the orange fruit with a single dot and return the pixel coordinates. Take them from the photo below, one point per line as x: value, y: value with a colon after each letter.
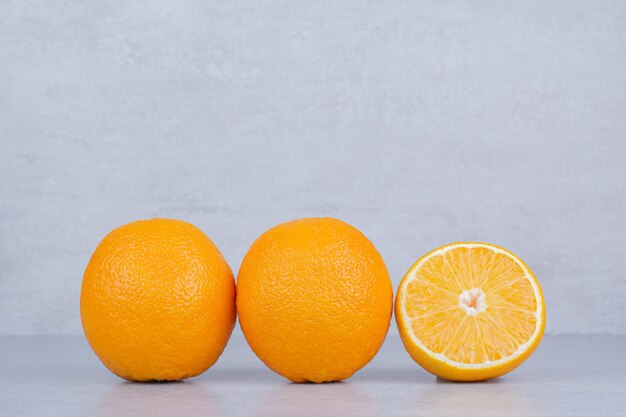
x: 157, y: 301
x: 470, y: 311
x: 314, y: 299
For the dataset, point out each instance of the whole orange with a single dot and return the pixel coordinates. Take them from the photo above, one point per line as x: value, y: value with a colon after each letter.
x: 157, y: 301
x: 314, y: 299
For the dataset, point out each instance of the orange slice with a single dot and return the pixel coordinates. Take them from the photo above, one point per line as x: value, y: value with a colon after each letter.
x: 470, y: 311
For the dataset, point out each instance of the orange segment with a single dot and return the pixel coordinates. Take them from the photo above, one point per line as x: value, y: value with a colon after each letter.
x: 496, y: 347
x: 438, y: 328
x: 467, y: 346
x: 515, y: 295
x: 428, y: 298
x: 470, y: 311
x: 435, y: 273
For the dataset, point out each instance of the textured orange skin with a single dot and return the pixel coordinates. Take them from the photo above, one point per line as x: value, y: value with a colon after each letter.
x: 444, y: 370
x: 157, y: 301
x: 314, y: 299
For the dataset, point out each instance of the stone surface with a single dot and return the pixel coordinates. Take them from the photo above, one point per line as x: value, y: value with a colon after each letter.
x: 60, y: 376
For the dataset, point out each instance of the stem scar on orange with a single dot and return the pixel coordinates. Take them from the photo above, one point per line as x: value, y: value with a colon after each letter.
x: 314, y: 299
x: 470, y: 311
x: 157, y: 301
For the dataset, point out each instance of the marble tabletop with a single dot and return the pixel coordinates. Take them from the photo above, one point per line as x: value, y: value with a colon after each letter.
x: 60, y: 376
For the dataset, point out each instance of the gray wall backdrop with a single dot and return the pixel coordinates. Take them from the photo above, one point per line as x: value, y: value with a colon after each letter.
x: 420, y: 123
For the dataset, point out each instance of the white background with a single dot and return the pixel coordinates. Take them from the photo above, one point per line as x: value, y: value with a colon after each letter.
x: 420, y: 123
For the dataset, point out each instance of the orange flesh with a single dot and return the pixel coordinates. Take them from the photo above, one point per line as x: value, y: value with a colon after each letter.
x: 498, y: 316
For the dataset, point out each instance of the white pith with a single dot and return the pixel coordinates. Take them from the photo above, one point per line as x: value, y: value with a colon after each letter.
x: 472, y: 301
x: 487, y: 364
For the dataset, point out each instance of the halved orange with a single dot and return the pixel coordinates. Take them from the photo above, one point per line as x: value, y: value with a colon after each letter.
x: 470, y: 311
